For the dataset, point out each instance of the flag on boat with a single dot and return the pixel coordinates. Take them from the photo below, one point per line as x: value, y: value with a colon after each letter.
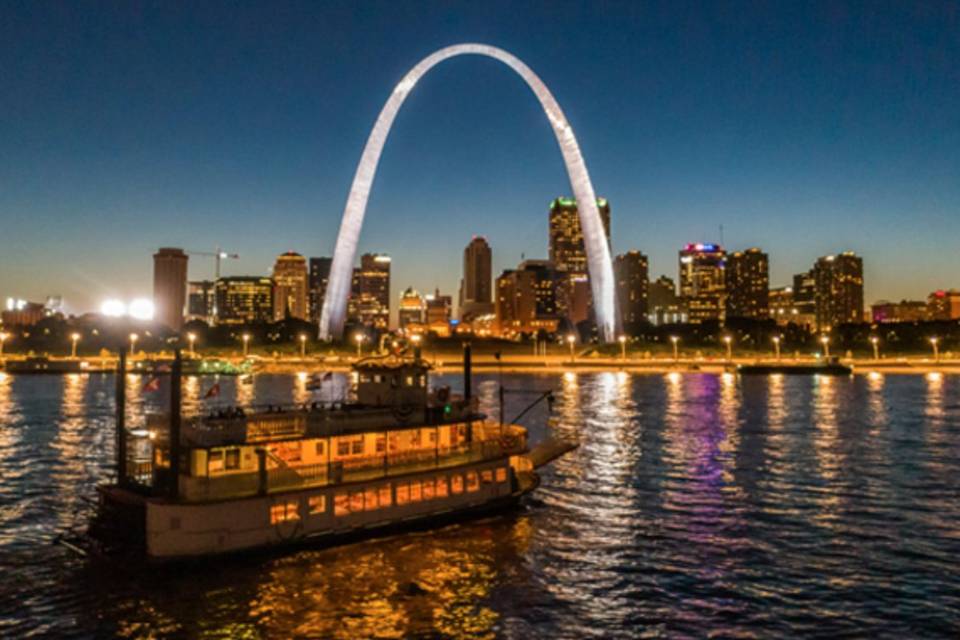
x: 164, y: 368
x: 328, y: 376
x: 153, y: 384
x: 213, y: 391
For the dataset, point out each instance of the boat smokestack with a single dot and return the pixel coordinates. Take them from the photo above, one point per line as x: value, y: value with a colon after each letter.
x: 176, y: 376
x: 121, y: 418
x: 467, y: 371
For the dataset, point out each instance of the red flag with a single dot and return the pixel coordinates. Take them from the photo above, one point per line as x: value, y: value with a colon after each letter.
x: 153, y: 384
x: 213, y: 391
x: 328, y: 376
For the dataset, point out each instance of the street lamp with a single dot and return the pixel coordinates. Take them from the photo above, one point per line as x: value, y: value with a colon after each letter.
x: 623, y: 347
x: 192, y: 338
x: 359, y: 339
x: 303, y: 345
x: 3, y: 338
x: 571, y: 340
x: 936, y: 349
x: 133, y: 344
x: 246, y: 344
x: 875, y: 341
x: 729, y: 341
x: 825, y: 341
x: 74, y: 338
x: 776, y: 347
x: 676, y: 351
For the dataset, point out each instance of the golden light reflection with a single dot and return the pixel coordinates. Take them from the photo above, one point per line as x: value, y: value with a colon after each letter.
x: 674, y: 377
x: 826, y: 445
x: 935, y: 396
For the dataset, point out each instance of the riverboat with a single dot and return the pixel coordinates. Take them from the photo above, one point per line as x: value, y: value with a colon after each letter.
x: 399, y: 455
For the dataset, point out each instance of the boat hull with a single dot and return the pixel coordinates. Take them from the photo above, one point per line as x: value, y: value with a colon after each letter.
x: 799, y: 369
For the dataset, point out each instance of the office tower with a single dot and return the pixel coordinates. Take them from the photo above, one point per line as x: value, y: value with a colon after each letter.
x: 169, y: 286
x: 885, y: 311
x: 476, y: 288
x: 202, y: 301
x: 411, y: 309
x: 748, y: 284
x: 569, y: 256
x: 527, y: 299
x: 290, y: 287
x: 780, y: 301
x: 244, y: 300
x: 665, y: 306
x: 943, y: 305
x: 839, y: 290
x: 317, y: 285
x: 369, y: 303
x: 439, y: 312
x: 630, y: 271
x: 703, y: 281
x: 804, y: 311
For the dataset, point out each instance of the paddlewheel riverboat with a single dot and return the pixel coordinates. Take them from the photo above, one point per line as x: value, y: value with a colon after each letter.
x: 401, y: 454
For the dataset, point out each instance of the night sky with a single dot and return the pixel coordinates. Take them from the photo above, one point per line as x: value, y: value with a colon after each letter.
x: 803, y: 129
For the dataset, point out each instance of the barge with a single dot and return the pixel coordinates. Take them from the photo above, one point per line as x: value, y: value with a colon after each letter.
x: 828, y: 367
x: 399, y: 455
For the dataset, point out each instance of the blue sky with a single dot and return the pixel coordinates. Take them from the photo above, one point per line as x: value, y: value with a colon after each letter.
x: 802, y: 128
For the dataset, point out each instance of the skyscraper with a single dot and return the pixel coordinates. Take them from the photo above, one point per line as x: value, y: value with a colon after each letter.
x: 317, y: 284
x: 476, y: 290
x: 202, y: 301
x: 369, y: 303
x: 527, y: 299
x: 170, y: 286
x: 290, y: 286
x: 244, y: 300
x: 569, y: 256
x: 438, y: 312
x: 630, y: 270
x: 748, y: 284
x: 411, y: 309
x: 839, y: 290
x: 703, y: 281
x: 664, y: 304
x: 805, y: 300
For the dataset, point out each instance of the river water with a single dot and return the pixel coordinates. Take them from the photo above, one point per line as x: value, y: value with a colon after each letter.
x: 696, y: 506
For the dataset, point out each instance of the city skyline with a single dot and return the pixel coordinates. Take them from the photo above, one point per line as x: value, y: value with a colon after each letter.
x: 823, y: 153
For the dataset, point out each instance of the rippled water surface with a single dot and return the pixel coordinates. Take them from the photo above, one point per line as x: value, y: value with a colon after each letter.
x: 696, y: 506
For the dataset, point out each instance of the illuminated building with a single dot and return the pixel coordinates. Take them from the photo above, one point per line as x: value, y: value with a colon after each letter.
x: 630, y: 270
x: 596, y: 242
x: 290, y: 286
x: 943, y: 305
x: 839, y: 290
x: 202, y: 301
x: 569, y: 257
x: 476, y: 288
x: 317, y: 285
x: 703, y: 281
x: 748, y: 284
x: 664, y: 304
x: 527, y: 299
x: 370, y: 297
x: 411, y: 309
x: 903, y: 311
x: 439, y: 309
x: 20, y: 313
x: 170, y: 286
x: 782, y: 309
x: 805, y: 300
x: 244, y: 300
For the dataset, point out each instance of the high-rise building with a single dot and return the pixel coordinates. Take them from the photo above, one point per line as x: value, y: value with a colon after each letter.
x: 943, y: 305
x: 170, y: 286
x: 290, y: 287
x: 665, y: 307
x: 804, y: 312
x: 703, y: 281
x: 885, y: 311
x: 569, y: 256
x: 439, y: 312
x: 476, y: 289
x: 317, y: 285
x: 839, y: 290
x: 527, y: 299
x: 748, y: 284
x: 370, y: 292
x: 202, y: 301
x: 780, y: 301
x: 244, y: 300
x: 630, y: 270
x: 411, y: 311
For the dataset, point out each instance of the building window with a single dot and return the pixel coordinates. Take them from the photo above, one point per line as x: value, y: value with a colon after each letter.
x: 473, y: 482
x: 502, y: 474
x: 233, y: 459
x: 356, y: 502
x: 284, y: 512
x: 385, y: 496
x: 403, y: 493
x: 341, y: 504
x: 442, y: 490
x: 486, y: 476
x: 317, y: 504
x: 456, y: 483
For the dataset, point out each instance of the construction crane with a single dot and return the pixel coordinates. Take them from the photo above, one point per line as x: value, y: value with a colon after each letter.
x: 217, y: 255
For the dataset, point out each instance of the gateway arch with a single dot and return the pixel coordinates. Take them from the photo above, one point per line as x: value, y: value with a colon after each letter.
x: 598, y: 252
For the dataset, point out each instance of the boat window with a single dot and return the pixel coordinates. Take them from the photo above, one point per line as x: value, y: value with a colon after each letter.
x: 284, y: 512
x: 358, y: 446
x: 429, y: 489
x: 502, y: 474
x: 433, y: 436
x: 409, y: 381
x: 233, y: 459
x: 341, y: 504
x: 215, y: 461
x: 381, y: 444
x: 415, y: 495
x: 343, y: 447
x: 386, y: 497
x: 487, y: 476
x: 403, y: 493
x: 442, y: 487
x: 319, y: 447
x: 370, y: 499
x: 473, y: 483
x: 356, y: 502
x: 317, y: 504
x: 378, y: 378
x: 456, y: 483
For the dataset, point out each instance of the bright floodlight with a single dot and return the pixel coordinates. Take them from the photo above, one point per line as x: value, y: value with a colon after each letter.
x: 113, y: 308
x: 141, y: 309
